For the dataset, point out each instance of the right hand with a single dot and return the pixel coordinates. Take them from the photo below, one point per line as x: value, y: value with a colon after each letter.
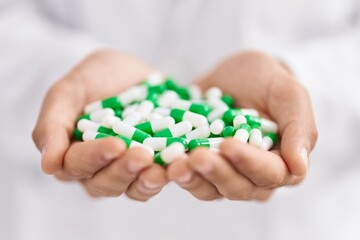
x: 105, y: 167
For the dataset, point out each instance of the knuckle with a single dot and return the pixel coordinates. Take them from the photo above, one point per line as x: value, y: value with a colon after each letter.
x: 239, y: 194
x: 104, y: 190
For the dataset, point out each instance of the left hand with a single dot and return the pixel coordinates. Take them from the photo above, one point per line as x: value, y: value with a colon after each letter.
x: 241, y: 171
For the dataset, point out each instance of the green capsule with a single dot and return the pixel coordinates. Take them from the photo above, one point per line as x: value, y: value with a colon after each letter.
x: 77, y: 134
x: 112, y: 102
x: 228, y: 100
x: 228, y: 131
x: 183, y: 92
x: 253, y: 120
x: 205, y: 142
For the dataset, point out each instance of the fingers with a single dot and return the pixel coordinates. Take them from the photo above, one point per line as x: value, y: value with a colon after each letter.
x: 219, y: 172
x: 290, y: 105
x: 55, y: 124
x: 84, y: 159
x: 115, y: 179
x: 263, y: 168
x: 180, y: 172
x: 149, y: 183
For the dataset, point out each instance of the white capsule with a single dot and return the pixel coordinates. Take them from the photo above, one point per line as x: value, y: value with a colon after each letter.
x: 162, y: 123
x: 162, y: 111
x: 145, y: 108
x: 87, y: 125
x: 255, y: 138
x: 153, y: 116
x: 181, y: 104
x: 242, y: 135
x: 133, y: 119
x: 124, y: 129
x: 195, y: 92
x: 249, y: 111
x: 108, y: 121
x: 172, y: 152
x: 217, y: 126
x: 98, y: 115
x: 267, y: 143
x: 216, y: 113
x: 94, y: 106
x: 268, y: 126
x: 200, y: 132
x: 156, y: 143
x: 137, y: 93
x: 130, y: 109
x: 238, y: 120
x: 213, y: 92
x: 180, y: 129
x: 89, y: 135
x: 167, y: 98
x: 155, y: 78
x: 216, y: 103
x: 196, y: 120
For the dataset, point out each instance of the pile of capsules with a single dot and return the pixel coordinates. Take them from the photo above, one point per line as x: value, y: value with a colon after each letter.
x: 168, y: 120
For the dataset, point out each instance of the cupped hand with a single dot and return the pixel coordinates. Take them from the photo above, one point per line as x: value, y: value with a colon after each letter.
x: 105, y: 167
x: 242, y: 171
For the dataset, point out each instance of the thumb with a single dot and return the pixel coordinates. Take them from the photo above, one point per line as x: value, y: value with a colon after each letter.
x: 55, y: 125
x: 292, y: 110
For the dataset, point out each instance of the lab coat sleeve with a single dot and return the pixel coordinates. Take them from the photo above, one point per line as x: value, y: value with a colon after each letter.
x: 35, y: 49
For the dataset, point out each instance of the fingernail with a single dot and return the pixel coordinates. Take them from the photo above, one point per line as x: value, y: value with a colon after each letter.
x: 134, y: 166
x: 185, y: 178
x: 305, y: 157
x: 151, y: 185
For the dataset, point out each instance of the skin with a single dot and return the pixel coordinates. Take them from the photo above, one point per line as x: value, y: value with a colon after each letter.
x: 105, y: 167
x: 239, y: 172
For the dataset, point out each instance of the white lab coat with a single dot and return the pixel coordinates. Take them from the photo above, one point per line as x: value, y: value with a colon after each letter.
x: 320, y: 39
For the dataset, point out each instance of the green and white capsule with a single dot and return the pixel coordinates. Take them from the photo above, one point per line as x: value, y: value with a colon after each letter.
x: 153, y: 116
x: 217, y: 113
x: 145, y: 108
x: 269, y: 141
x: 230, y: 114
x: 98, y: 115
x: 169, y: 154
x: 266, y: 124
x: 228, y: 100
x: 177, y: 130
x: 255, y: 138
x: 211, y: 143
x: 186, y: 105
x: 109, y: 121
x: 229, y: 131
x: 91, y: 135
x: 159, y: 143
x: 216, y: 103
x: 238, y: 120
x: 129, y: 131
x: 87, y: 125
x: 195, y: 119
x: 243, y: 133
x: 213, y: 92
x: 157, y: 125
x: 167, y: 98
x: 217, y: 126
x: 133, y: 118
x: 137, y: 93
x: 200, y: 132
x: 195, y: 92
x: 155, y: 79
x: 162, y: 111
x: 183, y: 92
x: 130, y: 109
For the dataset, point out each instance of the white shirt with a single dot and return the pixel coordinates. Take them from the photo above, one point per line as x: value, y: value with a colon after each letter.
x: 41, y: 40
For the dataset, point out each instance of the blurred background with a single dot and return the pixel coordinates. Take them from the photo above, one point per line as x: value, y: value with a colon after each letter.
x: 41, y: 40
